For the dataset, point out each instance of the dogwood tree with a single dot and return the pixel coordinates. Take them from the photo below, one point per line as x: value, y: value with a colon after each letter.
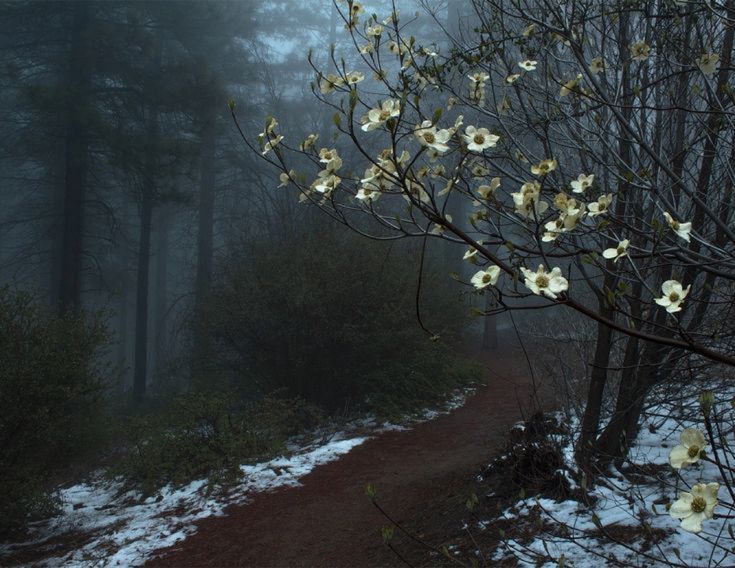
x: 592, y: 144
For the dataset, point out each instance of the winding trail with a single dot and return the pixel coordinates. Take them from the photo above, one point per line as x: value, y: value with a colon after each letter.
x: 329, y: 522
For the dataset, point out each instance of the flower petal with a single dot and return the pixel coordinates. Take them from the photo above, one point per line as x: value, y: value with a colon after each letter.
x: 693, y: 523
x: 693, y: 437
x: 678, y: 457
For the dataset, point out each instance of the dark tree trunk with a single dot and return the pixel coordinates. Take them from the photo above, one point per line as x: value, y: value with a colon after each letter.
x: 75, y: 177
x: 586, y: 448
x: 161, y: 285
x: 205, y: 245
x: 148, y: 201
x: 141, y: 305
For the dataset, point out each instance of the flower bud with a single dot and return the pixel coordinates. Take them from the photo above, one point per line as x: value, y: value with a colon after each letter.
x: 706, y: 402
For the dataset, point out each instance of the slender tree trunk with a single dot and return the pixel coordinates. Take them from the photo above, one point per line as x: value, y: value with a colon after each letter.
x: 161, y: 285
x: 148, y: 201
x: 141, y: 305
x: 75, y: 178
x: 586, y: 448
x: 205, y: 242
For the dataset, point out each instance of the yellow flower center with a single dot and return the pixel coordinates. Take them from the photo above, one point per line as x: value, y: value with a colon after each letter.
x: 621, y: 250
x: 479, y: 139
x: 384, y: 115
x: 693, y: 451
x: 699, y: 504
x: 542, y: 281
x: 675, y: 225
x: 674, y: 297
x: 429, y: 137
x: 486, y: 278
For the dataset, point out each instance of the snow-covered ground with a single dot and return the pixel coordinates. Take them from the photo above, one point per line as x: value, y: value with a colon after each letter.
x: 121, y: 528
x: 625, y: 506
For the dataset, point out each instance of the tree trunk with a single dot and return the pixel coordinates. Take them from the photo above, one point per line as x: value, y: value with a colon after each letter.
x: 586, y: 448
x: 75, y: 176
x: 205, y: 241
x: 161, y: 286
x: 148, y: 200
x: 141, y: 305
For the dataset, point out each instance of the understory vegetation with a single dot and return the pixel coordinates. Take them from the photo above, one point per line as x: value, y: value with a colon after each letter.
x: 274, y: 332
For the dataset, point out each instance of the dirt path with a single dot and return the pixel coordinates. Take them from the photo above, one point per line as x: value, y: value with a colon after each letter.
x: 329, y: 522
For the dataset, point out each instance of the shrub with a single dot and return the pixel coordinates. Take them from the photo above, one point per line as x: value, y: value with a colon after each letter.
x: 205, y: 435
x: 51, y: 383
x: 332, y: 319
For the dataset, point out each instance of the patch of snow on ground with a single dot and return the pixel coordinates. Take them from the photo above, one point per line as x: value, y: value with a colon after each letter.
x: 125, y: 529
x: 622, y: 503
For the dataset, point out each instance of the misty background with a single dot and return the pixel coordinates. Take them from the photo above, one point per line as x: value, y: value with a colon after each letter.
x: 155, y: 279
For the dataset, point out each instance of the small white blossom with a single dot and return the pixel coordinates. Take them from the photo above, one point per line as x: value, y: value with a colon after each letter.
x: 487, y: 191
x: 690, y: 450
x: 429, y: 136
x: 582, y: 183
x: 272, y: 143
x: 478, y: 139
x: 528, y: 65
x: 286, y: 178
x: 708, y: 63
x: 487, y: 277
x: 618, y: 252
x: 640, y: 51
x: 329, y: 83
x: 600, y: 206
x: 596, y: 66
x: 309, y: 142
x: 674, y: 295
x: 544, y: 167
x: 376, y: 117
x: 543, y: 283
x: 681, y: 229
x: 693, y: 508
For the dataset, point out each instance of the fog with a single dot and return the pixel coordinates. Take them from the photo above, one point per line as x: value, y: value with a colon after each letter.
x: 381, y: 283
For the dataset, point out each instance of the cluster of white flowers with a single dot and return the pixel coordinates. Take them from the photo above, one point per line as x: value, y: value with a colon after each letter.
x: 691, y: 508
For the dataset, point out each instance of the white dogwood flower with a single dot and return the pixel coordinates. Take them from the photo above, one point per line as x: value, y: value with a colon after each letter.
x: 693, y: 508
x: 640, y: 51
x: 487, y: 191
x: 544, y: 167
x: 674, y: 295
x: 582, y: 182
x: 708, y: 63
x: 376, y: 117
x: 596, y: 66
x: 478, y: 139
x: 528, y: 65
x: 600, y: 206
x: 487, y: 277
x: 543, y: 283
x: 681, y: 229
x: 618, y: 252
x: 429, y: 136
x: 309, y: 142
x: 689, y: 451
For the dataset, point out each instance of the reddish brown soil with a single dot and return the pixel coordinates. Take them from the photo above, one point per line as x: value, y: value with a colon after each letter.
x: 421, y: 476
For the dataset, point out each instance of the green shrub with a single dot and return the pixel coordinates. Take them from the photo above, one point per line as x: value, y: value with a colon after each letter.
x: 205, y: 435
x: 330, y: 317
x: 51, y: 385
